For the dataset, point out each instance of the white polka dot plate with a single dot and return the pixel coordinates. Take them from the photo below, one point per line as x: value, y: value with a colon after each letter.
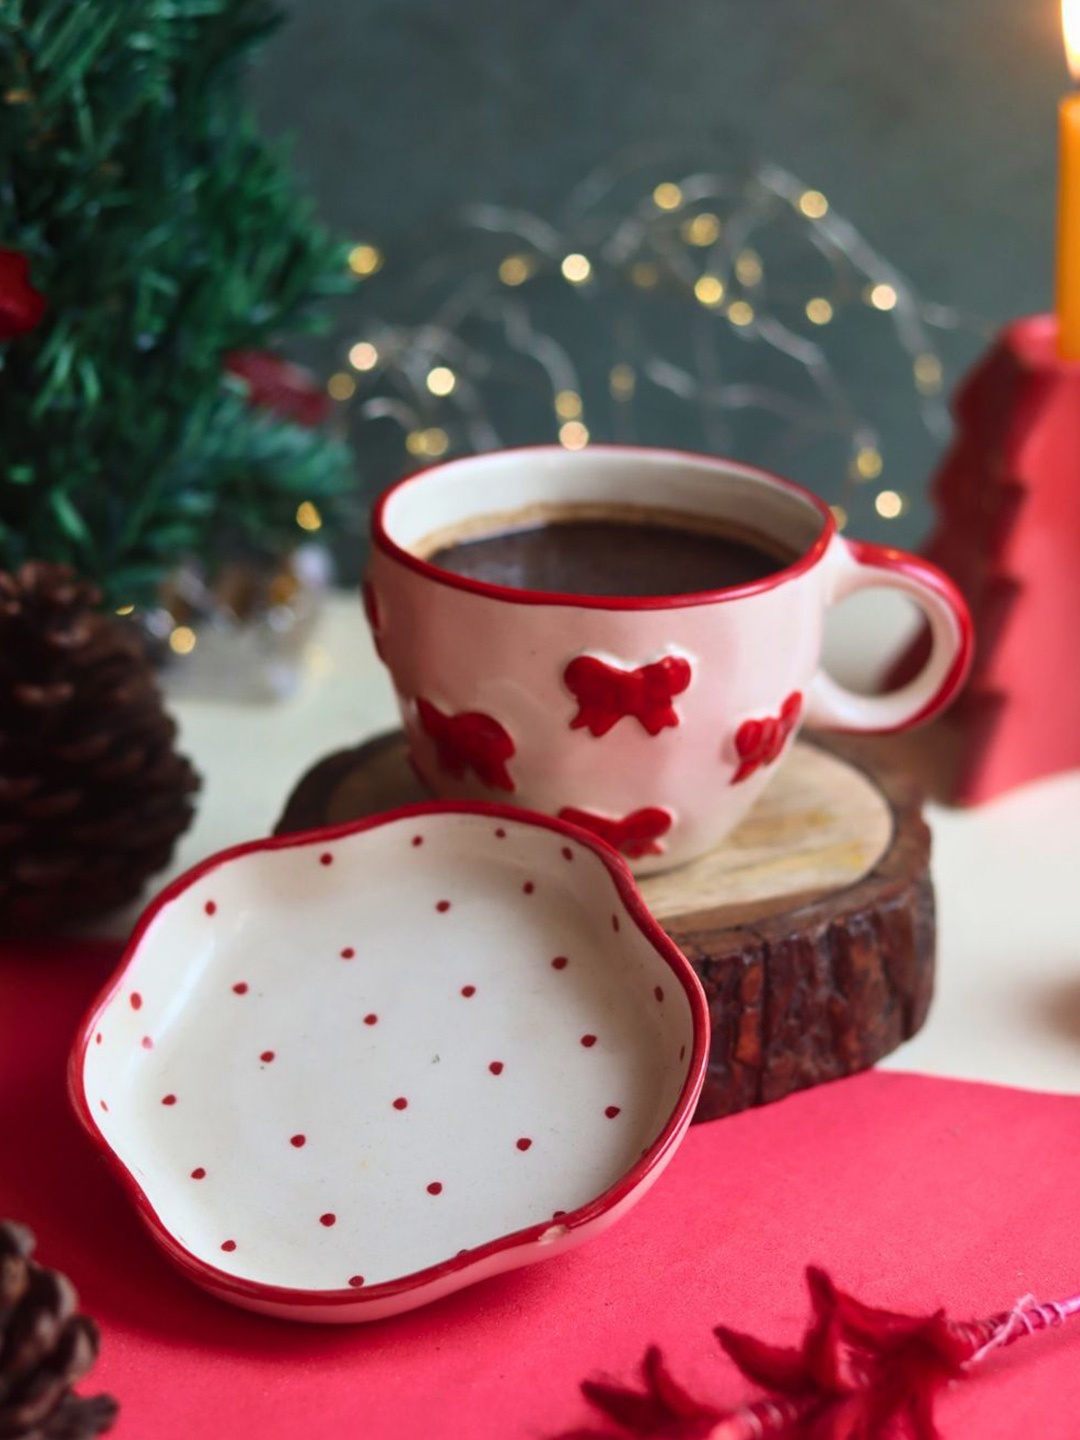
x: 348, y: 1072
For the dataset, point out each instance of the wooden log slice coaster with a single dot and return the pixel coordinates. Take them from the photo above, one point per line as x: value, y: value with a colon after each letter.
x: 811, y: 927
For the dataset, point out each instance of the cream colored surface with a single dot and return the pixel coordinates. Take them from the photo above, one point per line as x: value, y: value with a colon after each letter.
x: 1007, y: 875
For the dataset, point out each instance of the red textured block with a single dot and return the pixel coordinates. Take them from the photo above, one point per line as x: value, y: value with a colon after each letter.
x: 1007, y: 497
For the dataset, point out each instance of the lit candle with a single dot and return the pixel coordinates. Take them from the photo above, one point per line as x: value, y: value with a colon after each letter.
x: 1068, y: 246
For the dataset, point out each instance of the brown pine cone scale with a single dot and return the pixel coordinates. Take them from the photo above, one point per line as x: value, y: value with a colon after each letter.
x: 45, y: 1349
x: 93, y: 793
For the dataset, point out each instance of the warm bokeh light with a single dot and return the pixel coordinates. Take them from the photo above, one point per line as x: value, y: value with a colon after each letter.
x: 622, y: 381
x: 431, y: 443
x: 840, y: 515
x: 124, y: 609
x: 363, y: 356
x: 576, y: 268
x: 928, y: 374
x: 889, y: 504
x: 883, y: 297
x: 740, y: 313
x: 515, y: 269
x: 703, y: 229
x: 308, y: 517
x: 813, y: 204
x: 182, y: 640
x: 573, y: 435
x: 709, y: 289
x: 748, y: 268
x: 365, y: 260
x: 644, y: 275
x: 568, y: 405
x: 819, y: 311
x: 441, y: 380
x: 667, y: 196
x: 1070, y: 25
x: 341, y: 386
x: 868, y: 463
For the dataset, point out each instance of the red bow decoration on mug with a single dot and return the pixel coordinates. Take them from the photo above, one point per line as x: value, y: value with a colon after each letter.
x: 605, y: 694
x: 634, y: 835
x: 759, y: 742
x: 469, y: 741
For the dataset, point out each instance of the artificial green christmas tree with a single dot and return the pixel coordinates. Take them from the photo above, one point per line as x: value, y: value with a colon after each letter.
x: 154, y: 257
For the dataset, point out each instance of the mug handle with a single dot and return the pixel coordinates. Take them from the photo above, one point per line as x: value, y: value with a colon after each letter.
x: 862, y: 566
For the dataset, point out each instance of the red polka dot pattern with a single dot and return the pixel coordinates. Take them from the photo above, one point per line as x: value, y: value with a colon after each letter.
x: 442, y: 906
x: 567, y: 853
x: 659, y: 993
x: 104, y: 1106
x: 348, y: 953
x: 328, y: 1219
x: 199, y: 1173
x: 240, y: 988
x: 468, y: 991
x: 500, y: 834
x: 97, y: 1038
x: 298, y: 1141
x: 228, y: 1246
x: 266, y: 1056
x: 588, y: 1041
x: 168, y: 1099
x: 418, y: 839
x: 524, y: 1143
x: 496, y: 1067
x: 435, y: 1188
x: 326, y: 858
x: 612, y: 1111
x: 560, y: 962
x: 147, y: 1043
x: 371, y: 1019
x: 356, y: 1281
x: 210, y: 907
x: 528, y: 887
x: 401, y: 1103
x: 615, y: 923
x: 136, y: 1000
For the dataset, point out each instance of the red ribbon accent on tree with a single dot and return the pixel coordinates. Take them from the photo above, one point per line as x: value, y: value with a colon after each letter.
x: 634, y: 835
x: 860, y: 1374
x: 469, y: 741
x: 21, y: 306
x: 759, y: 742
x: 605, y: 694
x: 288, y: 390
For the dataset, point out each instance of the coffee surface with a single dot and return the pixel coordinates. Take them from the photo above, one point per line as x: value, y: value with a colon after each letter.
x: 610, y: 558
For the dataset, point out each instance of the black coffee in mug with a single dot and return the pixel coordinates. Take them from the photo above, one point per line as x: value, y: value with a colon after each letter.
x: 615, y: 555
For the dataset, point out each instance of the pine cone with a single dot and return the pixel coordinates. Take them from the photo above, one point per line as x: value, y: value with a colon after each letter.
x: 44, y: 1349
x: 92, y: 793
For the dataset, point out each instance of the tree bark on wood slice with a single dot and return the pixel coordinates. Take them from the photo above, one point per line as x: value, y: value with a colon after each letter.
x: 811, y: 927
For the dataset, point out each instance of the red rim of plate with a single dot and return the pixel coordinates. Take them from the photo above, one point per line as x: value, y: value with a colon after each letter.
x: 381, y: 538
x: 585, y: 1216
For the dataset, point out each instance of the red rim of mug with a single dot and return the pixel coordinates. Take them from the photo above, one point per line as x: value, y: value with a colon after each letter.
x: 382, y: 540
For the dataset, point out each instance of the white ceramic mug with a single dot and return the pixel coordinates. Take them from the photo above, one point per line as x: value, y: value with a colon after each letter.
x: 655, y: 722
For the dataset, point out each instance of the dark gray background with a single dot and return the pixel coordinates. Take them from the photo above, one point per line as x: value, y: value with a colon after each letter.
x: 929, y: 124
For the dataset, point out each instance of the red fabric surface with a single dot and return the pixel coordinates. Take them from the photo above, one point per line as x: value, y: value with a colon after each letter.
x: 913, y: 1192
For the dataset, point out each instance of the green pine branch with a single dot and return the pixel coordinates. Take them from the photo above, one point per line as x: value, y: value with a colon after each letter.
x: 164, y: 233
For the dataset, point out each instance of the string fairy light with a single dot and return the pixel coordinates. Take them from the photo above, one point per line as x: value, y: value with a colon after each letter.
x: 182, y: 640
x: 365, y: 260
x: 308, y: 516
x: 679, y: 238
x: 576, y: 268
